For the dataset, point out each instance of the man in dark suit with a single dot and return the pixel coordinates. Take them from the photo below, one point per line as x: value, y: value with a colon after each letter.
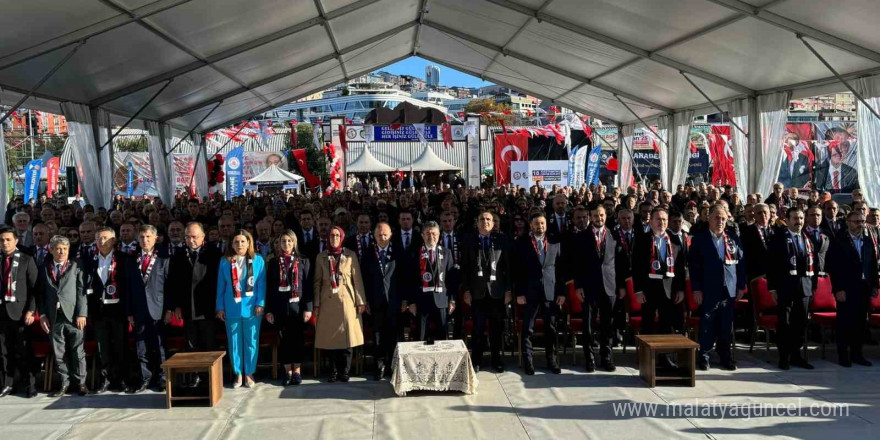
x: 718, y: 279
x: 193, y: 294
x: 433, y: 296
x: 146, y: 310
x: 486, y: 274
x: 836, y: 176
x: 830, y: 225
x: 128, y: 240
x: 624, y: 238
x: 451, y: 240
x: 539, y: 283
x: 384, y: 283
x: 63, y: 312
x: 755, y: 241
x: 790, y: 272
x: 659, y: 277
x: 40, y: 251
x: 362, y: 242
x: 821, y: 243
x: 595, y: 281
x: 18, y: 303
x: 558, y: 221
x: 795, y: 171
x: 408, y: 238
x: 108, y: 278
x: 854, y: 280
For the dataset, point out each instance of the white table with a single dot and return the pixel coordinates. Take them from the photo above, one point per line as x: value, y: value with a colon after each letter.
x: 444, y: 366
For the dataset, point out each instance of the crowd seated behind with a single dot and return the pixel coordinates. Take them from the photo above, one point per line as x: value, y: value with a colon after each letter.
x: 349, y: 274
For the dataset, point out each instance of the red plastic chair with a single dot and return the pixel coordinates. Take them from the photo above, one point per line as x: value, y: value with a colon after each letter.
x: 766, y: 317
x: 634, y: 312
x: 574, y: 320
x: 823, y: 308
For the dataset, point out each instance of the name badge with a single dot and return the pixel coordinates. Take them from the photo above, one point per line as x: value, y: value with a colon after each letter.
x: 284, y: 289
x: 295, y: 300
x: 89, y: 291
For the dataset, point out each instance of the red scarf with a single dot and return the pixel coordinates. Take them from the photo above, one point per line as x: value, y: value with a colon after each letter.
x: 63, y: 271
x: 730, y: 257
x: 111, y: 293
x: 429, y: 284
x: 535, y: 245
x: 808, y: 246
x: 289, y: 265
x: 600, y: 243
x: 334, y: 271
x: 656, y: 264
x: 9, y: 276
x: 236, y: 278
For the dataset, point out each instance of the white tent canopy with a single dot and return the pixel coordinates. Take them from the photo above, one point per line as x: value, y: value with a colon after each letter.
x: 244, y: 60
x: 367, y: 163
x: 429, y: 161
x: 273, y: 174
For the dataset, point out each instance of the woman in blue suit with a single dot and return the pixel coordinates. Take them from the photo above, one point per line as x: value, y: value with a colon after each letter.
x: 241, y: 296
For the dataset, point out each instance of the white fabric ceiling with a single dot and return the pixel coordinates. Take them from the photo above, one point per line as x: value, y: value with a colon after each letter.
x: 250, y: 56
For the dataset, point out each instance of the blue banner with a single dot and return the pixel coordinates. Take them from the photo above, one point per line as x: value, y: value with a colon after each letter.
x: 32, y: 179
x: 404, y: 133
x: 129, y: 182
x: 235, y: 173
x: 593, y: 162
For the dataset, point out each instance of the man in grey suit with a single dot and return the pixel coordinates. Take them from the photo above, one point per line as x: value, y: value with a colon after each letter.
x: 539, y: 285
x: 63, y: 314
x: 146, y: 310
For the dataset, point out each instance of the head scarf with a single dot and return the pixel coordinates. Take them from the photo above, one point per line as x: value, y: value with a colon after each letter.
x: 336, y: 251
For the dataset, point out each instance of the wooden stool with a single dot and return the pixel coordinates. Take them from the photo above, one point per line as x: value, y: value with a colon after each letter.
x: 209, y: 361
x: 652, y: 345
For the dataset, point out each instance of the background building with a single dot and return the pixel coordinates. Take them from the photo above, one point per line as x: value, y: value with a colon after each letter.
x: 432, y: 75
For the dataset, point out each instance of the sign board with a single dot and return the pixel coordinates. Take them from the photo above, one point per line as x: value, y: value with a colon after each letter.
x: 290, y: 186
x: 544, y: 172
x: 383, y: 133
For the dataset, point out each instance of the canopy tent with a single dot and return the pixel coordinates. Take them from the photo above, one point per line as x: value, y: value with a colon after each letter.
x: 273, y: 174
x: 367, y: 163
x: 214, y: 62
x: 429, y: 161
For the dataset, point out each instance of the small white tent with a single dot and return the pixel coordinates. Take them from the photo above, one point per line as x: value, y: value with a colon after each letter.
x: 367, y: 163
x: 273, y: 174
x: 429, y: 161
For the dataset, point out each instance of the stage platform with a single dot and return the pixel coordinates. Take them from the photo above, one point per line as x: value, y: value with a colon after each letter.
x: 573, y: 405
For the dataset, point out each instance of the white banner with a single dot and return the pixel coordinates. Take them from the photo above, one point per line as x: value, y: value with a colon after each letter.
x: 544, y: 172
x: 473, y: 151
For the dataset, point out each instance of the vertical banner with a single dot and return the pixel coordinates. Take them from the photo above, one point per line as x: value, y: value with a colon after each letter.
x: 234, y: 175
x: 473, y: 152
x: 572, y: 179
x: 593, y: 163
x: 32, y: 179
x: 53, y: 168
x: 129, y: 179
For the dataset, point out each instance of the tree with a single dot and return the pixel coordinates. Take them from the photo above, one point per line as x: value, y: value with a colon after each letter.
x: 315, y: 158
x: 346, y: 91
x: 488, y: 106
x: 133, y: 144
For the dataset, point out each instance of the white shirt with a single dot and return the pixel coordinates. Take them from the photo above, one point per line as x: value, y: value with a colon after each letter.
x: 239, y: 265
x: 104, y: 264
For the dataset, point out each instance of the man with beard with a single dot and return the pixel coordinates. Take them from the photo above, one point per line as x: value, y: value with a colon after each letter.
x: 18, y: 305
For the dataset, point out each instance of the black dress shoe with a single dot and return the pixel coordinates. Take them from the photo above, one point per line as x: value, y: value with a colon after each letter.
x: 82, y: 390
x: 296, y: 379
x: 344, y: 377
x: 161, y: 386
x: 591, y: 366
x: 288, y: 379
x: 703, y: 365
x: 861, y: 361
x: 608, y: 365
x: 332, y: 377
x: 103, y: 388
x: 845, y: 362
x: 60, y: 391
x: 784, y: 364
x: 729, y: 366
x: 380, y: 372
x: 802, y: 364
x: 476, y: 368
x: 139, y: 389
x: 7, y: 390
x: 555, y: 369
x: 499, y: 368
x: 530, y: 369
x: 31, y: 393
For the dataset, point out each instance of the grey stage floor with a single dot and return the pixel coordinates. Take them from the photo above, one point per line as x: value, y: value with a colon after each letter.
x: 510, y: 405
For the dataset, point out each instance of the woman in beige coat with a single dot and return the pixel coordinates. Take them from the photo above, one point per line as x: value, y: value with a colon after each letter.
x: 339, y: 303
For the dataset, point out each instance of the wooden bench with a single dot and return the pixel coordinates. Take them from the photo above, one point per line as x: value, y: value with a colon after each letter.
x: 208, y: 361
x: 651, y: 345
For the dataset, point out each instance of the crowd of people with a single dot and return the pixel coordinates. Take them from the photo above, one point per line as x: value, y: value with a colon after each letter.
x: 386, y: 265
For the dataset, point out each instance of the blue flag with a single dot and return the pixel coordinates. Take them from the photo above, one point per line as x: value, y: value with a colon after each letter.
x: 235, y: 173
x: 593, y: 162
x: 129, y: 182
x: 32, y: 174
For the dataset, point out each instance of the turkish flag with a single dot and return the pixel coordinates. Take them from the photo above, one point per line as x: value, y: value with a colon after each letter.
x: 509, y: 148
x: 300, y: 157
x: 722, y: 156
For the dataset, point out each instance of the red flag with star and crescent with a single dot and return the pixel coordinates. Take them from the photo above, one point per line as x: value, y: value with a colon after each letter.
x: 300, y: 157
x: 509, y: 148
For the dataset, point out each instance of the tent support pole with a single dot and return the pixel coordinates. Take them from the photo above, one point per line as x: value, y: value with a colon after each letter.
x: 837, y: 75
x: 642, y: 121
x: 191, y: 130
x: 135, y: 115
x: 626, y: 148
x: 42, y: 81
x: 712, y: 102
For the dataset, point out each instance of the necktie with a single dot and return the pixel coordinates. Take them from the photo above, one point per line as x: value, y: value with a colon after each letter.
x: 308, y: 236
x: 406, y: 239
x: 835, y: 181
x: 364, y: 241
x: 145, y: 264
x: 800, y: 244
x: 193, y: 255
x: 383, y: 257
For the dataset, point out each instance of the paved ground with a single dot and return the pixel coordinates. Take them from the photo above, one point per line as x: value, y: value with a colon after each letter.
x: 573, y: 405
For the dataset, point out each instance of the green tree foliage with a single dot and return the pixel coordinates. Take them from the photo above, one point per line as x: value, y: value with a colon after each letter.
x: 489, y: 106
x: 314, y: 154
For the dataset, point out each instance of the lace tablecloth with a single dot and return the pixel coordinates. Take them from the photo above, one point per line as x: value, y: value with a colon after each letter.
x: 444, y: 366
